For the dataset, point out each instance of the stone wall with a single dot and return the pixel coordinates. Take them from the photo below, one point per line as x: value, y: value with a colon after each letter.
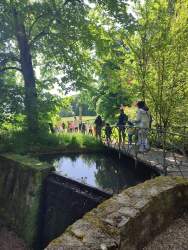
x: 21, y: 194
x: 128, y: 220
x: 66, y: 201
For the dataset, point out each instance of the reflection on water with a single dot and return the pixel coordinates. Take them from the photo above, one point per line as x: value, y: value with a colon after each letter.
x: 100, y: 171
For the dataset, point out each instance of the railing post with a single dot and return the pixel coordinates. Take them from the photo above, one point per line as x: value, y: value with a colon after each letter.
x: 164, y: 153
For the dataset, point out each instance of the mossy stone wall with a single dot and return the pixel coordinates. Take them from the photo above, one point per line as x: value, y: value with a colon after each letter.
x: 21, y: 194
x: 129, y: 220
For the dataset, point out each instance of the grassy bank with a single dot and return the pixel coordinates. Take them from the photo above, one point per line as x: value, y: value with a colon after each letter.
x: 23, y: 143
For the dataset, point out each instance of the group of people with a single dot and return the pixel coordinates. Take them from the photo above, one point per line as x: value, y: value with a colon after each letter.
x: 79, y: 126
x: 73, y: 126
x: 138, y: 127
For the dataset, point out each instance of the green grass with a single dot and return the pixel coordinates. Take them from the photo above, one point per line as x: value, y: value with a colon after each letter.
x: 22, y: 143
x: 27, y: 161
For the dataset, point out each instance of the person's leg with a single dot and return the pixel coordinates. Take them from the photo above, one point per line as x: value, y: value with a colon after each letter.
x: 110, y: 138
x: 130, y: 138
x: 96, y: 132
x: 123, y: 134
x: 140, y: 140
x: 119, y: 134
x: 145, y: 139
x: 100, y: 133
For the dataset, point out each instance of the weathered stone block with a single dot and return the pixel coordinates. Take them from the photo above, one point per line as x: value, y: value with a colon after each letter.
x: 21, y: 189
x: 130, y: 220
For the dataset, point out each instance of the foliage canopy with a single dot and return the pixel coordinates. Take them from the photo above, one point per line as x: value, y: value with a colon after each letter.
x: 111, y: 51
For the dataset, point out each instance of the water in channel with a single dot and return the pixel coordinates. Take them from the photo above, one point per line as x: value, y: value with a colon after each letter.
x: 105, y: 172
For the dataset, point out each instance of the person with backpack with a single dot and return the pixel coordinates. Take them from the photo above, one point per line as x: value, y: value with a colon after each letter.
x: 98, y: 126
x: 122, y: 120
x: 143, y: 122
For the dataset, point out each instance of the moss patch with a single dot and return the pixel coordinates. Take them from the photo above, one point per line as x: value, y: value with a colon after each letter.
x: 21, y: 189
x: 138, y: 222
x: 27, y: 161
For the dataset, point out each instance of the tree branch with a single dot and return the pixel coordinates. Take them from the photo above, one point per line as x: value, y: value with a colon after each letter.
x: 35, y: 21
x: 5, y: 57
x: 66, y: 2
x: 70, y: 1
x: 10, y: 68
x: 38, y: 36
x: 44, y: 32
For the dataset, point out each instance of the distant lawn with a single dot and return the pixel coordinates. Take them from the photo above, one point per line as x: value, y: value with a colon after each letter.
x: 130, y: 111
x: 84, y: 118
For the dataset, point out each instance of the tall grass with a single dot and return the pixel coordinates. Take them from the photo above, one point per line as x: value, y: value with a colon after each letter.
x: 21, y: 142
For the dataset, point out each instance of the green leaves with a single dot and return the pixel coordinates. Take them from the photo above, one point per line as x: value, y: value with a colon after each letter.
x: 102, y: 48
x: 161, y: 67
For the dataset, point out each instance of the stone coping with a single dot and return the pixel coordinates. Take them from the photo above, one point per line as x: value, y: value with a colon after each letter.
x: 22, y: 182
x: 27, y: 161
x: 128, y: 220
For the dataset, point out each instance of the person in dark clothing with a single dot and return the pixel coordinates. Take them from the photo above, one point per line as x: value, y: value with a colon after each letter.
x: 108, y: 132
x: 63, y: 126
x: 80, y: 126
x: 83, y: 129
x: 122, y: 119
x: 98, y: 124
x: 51, y: 127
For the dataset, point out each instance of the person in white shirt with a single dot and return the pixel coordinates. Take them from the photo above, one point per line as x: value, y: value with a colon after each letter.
x: 143, y: 122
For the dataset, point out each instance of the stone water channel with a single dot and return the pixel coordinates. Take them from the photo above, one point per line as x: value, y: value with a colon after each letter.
x: 81, y: 182
x: 102, y: 171
x: 39, y: 203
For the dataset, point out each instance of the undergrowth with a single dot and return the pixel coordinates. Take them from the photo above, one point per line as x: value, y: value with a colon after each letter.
x: 22, y: 142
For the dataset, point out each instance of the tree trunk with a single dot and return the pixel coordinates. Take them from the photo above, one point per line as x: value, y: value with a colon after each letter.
x: 28, y: 74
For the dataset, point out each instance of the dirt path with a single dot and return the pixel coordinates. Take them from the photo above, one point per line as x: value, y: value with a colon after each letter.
x: 174, y: 238
x: 10, y: 241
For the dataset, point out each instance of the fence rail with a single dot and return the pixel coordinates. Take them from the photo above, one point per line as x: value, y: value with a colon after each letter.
x: 172, y: 147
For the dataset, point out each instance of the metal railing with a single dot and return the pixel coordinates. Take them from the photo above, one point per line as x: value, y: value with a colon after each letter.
x: 169, y: 149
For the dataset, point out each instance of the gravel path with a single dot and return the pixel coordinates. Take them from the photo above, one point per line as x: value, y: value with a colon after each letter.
x: 174, y: 238
x: 10, y: 241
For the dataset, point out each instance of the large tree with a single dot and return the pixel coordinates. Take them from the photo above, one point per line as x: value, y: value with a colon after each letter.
x: 16, y: 52
x: 150, y: 51
x: 41, y: 33
x: 111, y: 60
x: 160, y: 49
